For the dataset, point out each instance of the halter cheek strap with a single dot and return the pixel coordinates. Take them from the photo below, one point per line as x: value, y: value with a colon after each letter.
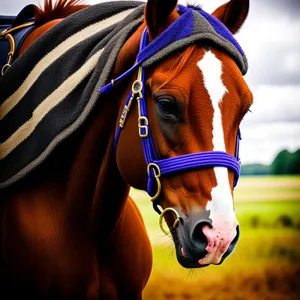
x: 160, y: 167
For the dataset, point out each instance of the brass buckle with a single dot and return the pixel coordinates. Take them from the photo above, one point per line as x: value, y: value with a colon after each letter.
x: 176, y: 222
x: 143, y: 126
x: 157, y: 173
x: 136, y: 89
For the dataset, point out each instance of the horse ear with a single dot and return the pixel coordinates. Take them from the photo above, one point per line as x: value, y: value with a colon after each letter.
x: 233, y: 14
x: 158, y: 15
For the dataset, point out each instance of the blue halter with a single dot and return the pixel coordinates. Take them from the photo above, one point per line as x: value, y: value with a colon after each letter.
x: 160, y: 167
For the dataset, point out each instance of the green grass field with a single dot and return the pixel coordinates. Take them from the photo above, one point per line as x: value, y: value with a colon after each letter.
x: 266, y: 263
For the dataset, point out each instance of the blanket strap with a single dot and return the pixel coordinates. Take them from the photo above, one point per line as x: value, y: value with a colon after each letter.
x: 14, y: 33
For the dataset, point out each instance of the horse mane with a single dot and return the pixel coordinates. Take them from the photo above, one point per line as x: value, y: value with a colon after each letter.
x: 61, y: 9
x: 194, y: 5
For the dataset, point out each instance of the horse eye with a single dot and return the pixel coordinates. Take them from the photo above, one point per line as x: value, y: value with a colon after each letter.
x: 167, y: 107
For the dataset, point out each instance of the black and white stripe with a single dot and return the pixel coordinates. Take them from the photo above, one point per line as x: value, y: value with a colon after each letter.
x: 51, y: 89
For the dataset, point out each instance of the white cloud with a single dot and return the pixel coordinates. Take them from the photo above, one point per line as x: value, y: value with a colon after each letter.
x: 269, y: 38
x: 273, y: 125
x: 261, y: 142
x: 291, y: 61
x: 274, y: 104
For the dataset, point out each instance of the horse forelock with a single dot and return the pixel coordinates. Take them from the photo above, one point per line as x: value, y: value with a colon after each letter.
x: 178, y: 65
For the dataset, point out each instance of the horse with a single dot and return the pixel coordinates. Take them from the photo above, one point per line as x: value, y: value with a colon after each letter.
x: 165, y: 122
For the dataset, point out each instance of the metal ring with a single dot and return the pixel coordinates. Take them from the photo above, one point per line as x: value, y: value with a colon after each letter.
x: 158, y: 190
x: 4, y: 68
x: 155, y: 166
x: 140, y: 86
x: 176, y: 222
x: 157, y: 174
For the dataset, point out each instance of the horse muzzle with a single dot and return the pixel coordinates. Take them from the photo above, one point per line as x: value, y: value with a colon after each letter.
x: 198, y: 243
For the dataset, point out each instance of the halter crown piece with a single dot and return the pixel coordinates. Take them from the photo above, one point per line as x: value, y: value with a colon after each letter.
x: 148, y: 54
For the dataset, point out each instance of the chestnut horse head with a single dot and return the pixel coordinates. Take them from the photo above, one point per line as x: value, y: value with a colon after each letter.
x: 184, y: 148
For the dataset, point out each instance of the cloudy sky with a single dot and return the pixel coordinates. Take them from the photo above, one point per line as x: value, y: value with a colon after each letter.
x: 270, y: 38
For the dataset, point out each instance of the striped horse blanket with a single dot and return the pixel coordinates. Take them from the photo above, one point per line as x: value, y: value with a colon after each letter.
x: 51, y: 89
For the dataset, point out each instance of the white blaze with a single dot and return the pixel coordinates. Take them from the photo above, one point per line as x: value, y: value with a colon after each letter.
x: 221, y: 206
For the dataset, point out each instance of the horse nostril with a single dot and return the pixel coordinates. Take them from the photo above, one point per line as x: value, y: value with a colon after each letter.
x: 232, y: 245
x: 235, y: 240
x: 198, y: 238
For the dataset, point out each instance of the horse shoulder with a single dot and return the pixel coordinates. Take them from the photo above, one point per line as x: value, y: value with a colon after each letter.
x: 133, y: 245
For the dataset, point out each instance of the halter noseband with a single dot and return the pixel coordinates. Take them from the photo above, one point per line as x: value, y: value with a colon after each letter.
x: 159, y: 167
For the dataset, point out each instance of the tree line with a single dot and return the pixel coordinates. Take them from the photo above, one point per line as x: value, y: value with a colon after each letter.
x: 285, y: 163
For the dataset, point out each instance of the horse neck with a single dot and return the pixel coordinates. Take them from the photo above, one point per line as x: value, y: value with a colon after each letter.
x: 95, y: 174
x: 94, y: 190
